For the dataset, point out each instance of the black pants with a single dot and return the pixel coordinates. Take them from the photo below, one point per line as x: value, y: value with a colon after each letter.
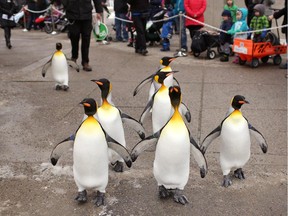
x: 193, y: 29
x: 7, y: 33
x: 139, y: 22
x: 80, y: 28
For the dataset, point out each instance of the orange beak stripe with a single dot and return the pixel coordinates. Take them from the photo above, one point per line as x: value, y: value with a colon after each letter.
x: 86, y: 104
x: 99, y: 83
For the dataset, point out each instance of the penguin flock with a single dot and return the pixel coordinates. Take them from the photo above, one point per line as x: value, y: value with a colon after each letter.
x: 99, y: 141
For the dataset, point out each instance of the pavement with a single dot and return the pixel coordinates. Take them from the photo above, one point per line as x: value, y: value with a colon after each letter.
x: 34, y: 117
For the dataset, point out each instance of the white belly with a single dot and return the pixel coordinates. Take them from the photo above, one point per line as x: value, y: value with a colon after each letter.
x: 90, y: 160
x: 172, y: 157
x: 235, y: 146
x: 161, y: 110
x: 59, y: 69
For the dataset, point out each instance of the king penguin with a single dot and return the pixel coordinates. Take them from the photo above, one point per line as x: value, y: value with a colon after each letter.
x: 90, y: 155
x: 112, y: 119
x: 164, y: 67
x: 172, y: 156
x: 160, y: 104
x: 59, y: 67
x: 235, y: 145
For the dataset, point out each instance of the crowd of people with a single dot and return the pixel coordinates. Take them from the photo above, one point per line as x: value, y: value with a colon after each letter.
x: 257, y: 16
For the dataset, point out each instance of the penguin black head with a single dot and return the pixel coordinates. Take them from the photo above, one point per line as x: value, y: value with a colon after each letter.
x: 238, y: 101
x: 58, y: 46
x: 105, y: 87
x: 161, y: 76
x: 165, y: 61
x: 90, y: 106
x: 175, y: 95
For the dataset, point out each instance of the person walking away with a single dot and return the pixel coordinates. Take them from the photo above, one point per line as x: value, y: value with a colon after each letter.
x: 239, y: 26
x: 232, y: 7
x: 259, y: 23
x: 79, y: 14
x: 121, y: 9
x: 7, y: 9
x: 140, y: 14
x: 277, y: 15
x: 194, y: 9
x: 224, y: 38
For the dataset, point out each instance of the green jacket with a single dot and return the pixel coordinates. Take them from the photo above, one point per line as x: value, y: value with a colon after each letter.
x: 232, y: 10
x: 259, y: 23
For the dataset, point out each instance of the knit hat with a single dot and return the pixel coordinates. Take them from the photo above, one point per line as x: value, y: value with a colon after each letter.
x: 260, y: 8
x: 226, y: 13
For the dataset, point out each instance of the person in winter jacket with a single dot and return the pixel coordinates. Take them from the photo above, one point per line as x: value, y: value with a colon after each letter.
x: 121, y: 10
x: 259, y: 22
x: 140, y: 13
x: 230, y: 6
x: 79, y: 14
x: 277, y: 15
x: 225, y: 39
x: 239, y: 26
x: 167, y: 31
x: 194, y: 9
x: 179, y: 8
x: 7, y: 9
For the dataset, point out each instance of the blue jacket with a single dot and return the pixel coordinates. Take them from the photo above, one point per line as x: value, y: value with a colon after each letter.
x: 225, y: 25
x: 178, y: 6
x: 240, y: 25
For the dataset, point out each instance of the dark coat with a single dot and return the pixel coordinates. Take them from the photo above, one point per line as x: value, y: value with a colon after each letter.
x: 282, y: 12
x: 120, y: 6
x: 81, y: 9
x: 7, y: 9
x: 223, y: 37
x: 139, y: 5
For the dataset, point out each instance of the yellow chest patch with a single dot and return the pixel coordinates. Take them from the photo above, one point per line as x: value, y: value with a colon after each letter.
x: 90, y: 125
x: 166, y: 69
x: 58, y: 54
x: 236, y: 117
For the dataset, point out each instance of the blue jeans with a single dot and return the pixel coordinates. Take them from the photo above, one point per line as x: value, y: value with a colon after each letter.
x: 121, y: 30
x: 183, y: 34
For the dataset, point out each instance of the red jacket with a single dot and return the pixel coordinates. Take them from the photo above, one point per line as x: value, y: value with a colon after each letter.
x: 194, y: 9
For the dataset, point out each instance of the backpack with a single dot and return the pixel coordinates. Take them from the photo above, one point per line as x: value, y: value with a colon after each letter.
x: 198, y: 42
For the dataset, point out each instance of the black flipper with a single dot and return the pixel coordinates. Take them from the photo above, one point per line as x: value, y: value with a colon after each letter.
x: 142, y: 83
x: 121, y: 150
x: 46, y: 66
x: 209, y: 138
x: 144, y: 144
x: 199, y: 157
x: 73, y: 64
x: 185, y: 112
x: 134, y: 124
x: 60, y: 148
x: 147, y: 109
x: 259, y: 137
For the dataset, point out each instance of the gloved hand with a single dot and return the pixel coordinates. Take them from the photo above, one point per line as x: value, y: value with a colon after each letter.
x: 263, y: 34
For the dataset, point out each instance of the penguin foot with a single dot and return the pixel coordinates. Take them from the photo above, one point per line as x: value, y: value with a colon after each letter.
x: 65, y: 88
x: 239, y: 174
x: 226, y: 181
x: 99, y: 199
x: 58, y: 87
x: 118, y: 166
x: 163, y: 192
x: 179, y: 197
x: 81, y: 197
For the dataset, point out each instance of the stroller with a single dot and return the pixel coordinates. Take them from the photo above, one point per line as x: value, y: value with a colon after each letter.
x: 203, y: 40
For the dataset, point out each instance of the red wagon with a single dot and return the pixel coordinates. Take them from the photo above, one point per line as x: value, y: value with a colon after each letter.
x: 254, y: 52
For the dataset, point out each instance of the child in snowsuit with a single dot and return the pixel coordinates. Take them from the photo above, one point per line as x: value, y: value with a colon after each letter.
x: 225, y: 39
x: 230, y: 6
x: 167, y: 31
x: 239, y: 26
x: 259, y: 22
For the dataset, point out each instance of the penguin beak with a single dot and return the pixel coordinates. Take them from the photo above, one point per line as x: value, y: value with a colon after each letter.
x: 168, y: 74
x: 172, y: 59
x: 85, y: 104
x: 97, y: 82
x: 244, y: 102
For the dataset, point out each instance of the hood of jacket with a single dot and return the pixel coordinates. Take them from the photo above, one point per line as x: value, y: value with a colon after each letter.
x: 260, y: 8
x: 244, y: 13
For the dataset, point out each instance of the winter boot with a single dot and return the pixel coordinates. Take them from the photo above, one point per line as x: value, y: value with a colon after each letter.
x: 165, y: 46
x: 224, y: 58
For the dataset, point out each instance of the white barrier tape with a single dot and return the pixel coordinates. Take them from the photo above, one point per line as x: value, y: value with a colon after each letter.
x: 154, y: 21
x: 204, y: 24
x: 253, y: 31
x: 31, y: 11
x: 58, y: 11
